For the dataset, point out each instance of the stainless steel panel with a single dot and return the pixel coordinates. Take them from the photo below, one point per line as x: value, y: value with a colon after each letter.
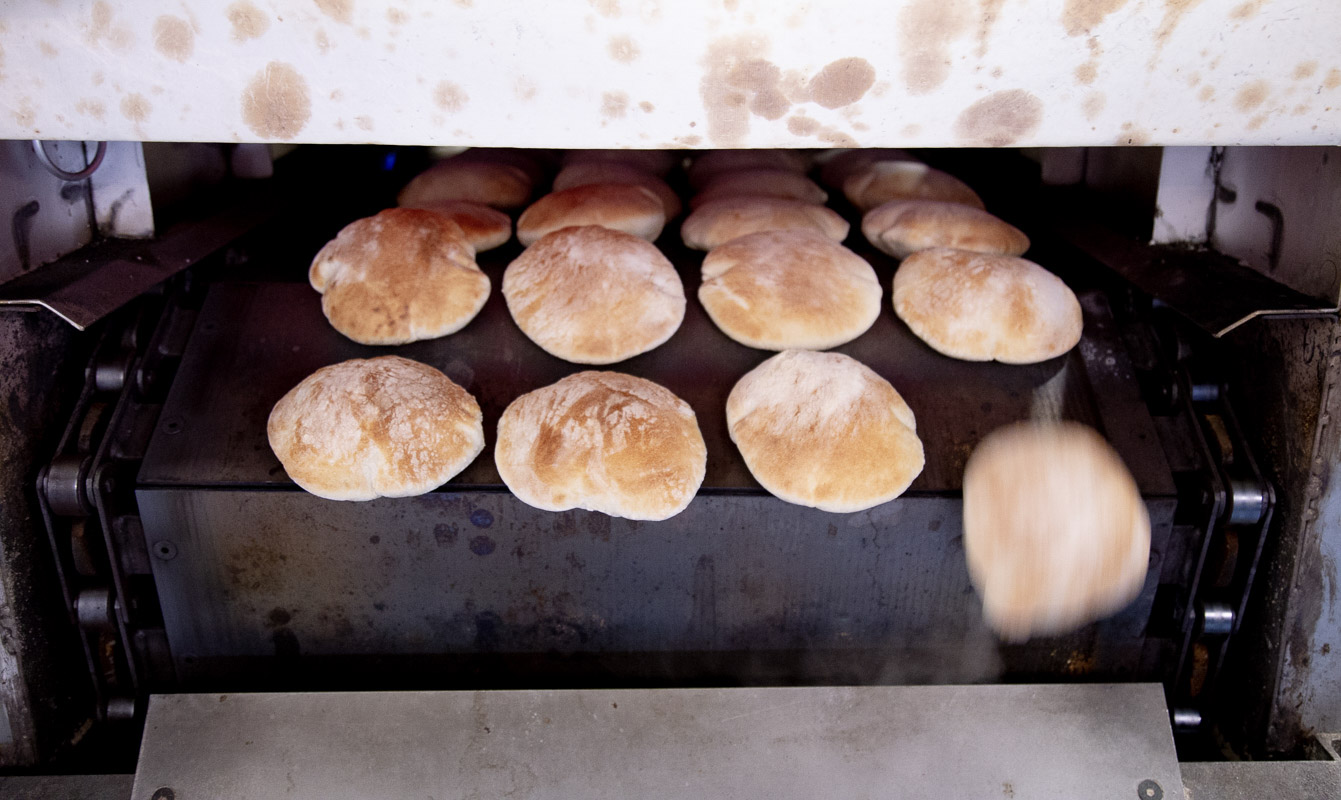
x: 272, y: 574
x: 1073, y: 742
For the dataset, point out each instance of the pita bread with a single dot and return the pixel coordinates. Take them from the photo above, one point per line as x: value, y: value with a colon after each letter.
x: 785, y: 290
x: 710, y: 163
x: 622, y: 207
x: 602, y: 441
x: 592, y: 295
x: 376, y: 427
x: 719, y: 221
x: 1055, y: 533
x: 760, y: 183
x: 586, y: 172
x: 902, y: 227
x: 400, y: 276
x: 980, y: 307
x: 824, y: 430
x: 884, y: 181
x: 484, y: 227
x: 480, y: 181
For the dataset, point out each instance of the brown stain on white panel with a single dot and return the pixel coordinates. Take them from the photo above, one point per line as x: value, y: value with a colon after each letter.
x: 248, y: 21
x: 733, y: 68
x: 1332, y: 80
x: 842, y: 82
x: 1093, y: 105
x: 1079, y: 17
x: 622, y: 49
x: 396, y: 16
x: 464, y: 3
x: 135, y: 107
x: 174, y: 38
x: 102, y: 28
x: 836, y: 138
x: 1000, y: 119
x: 606, y: 8
x: 647, y: 107
x: 800, y: 125
x: 524, y: 89
x: 1257, y: 122
x: 323, y: 42
x: 795, y: 86
x: 1206, y: 93
x: 24, y: 114
x: 1251, y: 95
x: 614, y: 105
x: 338, y: 10
x: 1305, y: 69
x: 1174, y: 11
x: 1246, y: 10
x: 90, y: 107
x: 276, y: 103
x: 926, y: 29
x: 911, y: 130
x: 761, y: 79
x: 47, y: 48
x: 1132, y: 135
x: 449, y: 96
x: 988, y: 14
x: 1087, y: 72
x: 364, y: 122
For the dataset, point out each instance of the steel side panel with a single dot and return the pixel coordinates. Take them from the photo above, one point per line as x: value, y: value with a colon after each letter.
x: 1070, y: 741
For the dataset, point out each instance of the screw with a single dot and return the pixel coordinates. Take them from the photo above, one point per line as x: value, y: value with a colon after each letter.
x: 1149, y: 790
x: 164, y: 793
x: 165, y: 550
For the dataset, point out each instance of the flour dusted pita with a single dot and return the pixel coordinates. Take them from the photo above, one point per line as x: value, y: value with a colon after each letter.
x: 592, y: 295
x: 824, y: 430
x: 484, y: 227
x: 711, y: 163
x: 761, y: 183
x: 376, y: 427
x: 884, y: 181
x: 719, y: 221
x: 587, y: 172
x: 1055, y: 533
x: 980, y: 307
x: 784, y: 290
x: 602, y: 441
x: 399, y: 276
x: 623, y: 207
x: 491, y: 182
x: 902, y: 227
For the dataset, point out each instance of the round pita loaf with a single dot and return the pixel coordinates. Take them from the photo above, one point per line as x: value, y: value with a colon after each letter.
x: 835, y: 166
x: 484, y: 227
x: 602, y: 441
x: 468, y: 178
x: 655, y: 162
x: 586, y: 172
x: 622, y: 207
x: 824, y: 430
x: 902, y: 227
x: 760, y: 183
x: 1055, y: 533
x: 785, y: 290
x: 980, y: 307
x: 400, y: 276
x: 719, y: 221
x: 710, y: 163
x: 592, y: 295
x: 376, y: 427
x: 884, y: 181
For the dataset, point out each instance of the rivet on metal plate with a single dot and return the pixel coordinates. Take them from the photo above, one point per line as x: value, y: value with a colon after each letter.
x: 163, y: 793
x: 1149, y: 790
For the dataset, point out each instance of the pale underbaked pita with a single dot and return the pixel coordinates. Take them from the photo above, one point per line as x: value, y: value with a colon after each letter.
x: 467, y: 178
x: 656, y: 162
x: 835, y: 166
x: 376, y: 427
x: 761, y: 183
x: 784, y: 290
x: 902, y: 227
x: 621, y: 206
x: 399, y: 276
x: 602, y: 441
x: 484, y: 227
x: 592, y: 295
x: 823, y: 430
x: 719, y: 221
x: 711, y: 163
x: 582, y: 173
x: 980, y: 307
x: 884, y: 181
x: 1055, y: 532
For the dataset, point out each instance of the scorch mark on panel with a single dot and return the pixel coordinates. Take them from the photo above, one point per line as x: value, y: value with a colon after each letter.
x: 1173, y: 14
x: 842, y: 82
x: 100, y: 28
x: 1079, y: 17
x: 622, y: 49
x: 90, y: 107
x: 1000, y: 119
x: 614, y: 104
x: 1305, y: 69
x: 606, y: 8
x: 449, y: 96
x: 1245, y: 10
x: 135, y: 108
x: 990, y: 13
x: 1251, y: 95
x: 801, y: 125
x: 1093, y: 105
x: 926, y: 28
x: 276, y: 103
x: 174, y: 38
x: 249, y: 22
x: 338, y: 10
x: 729, y: 63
